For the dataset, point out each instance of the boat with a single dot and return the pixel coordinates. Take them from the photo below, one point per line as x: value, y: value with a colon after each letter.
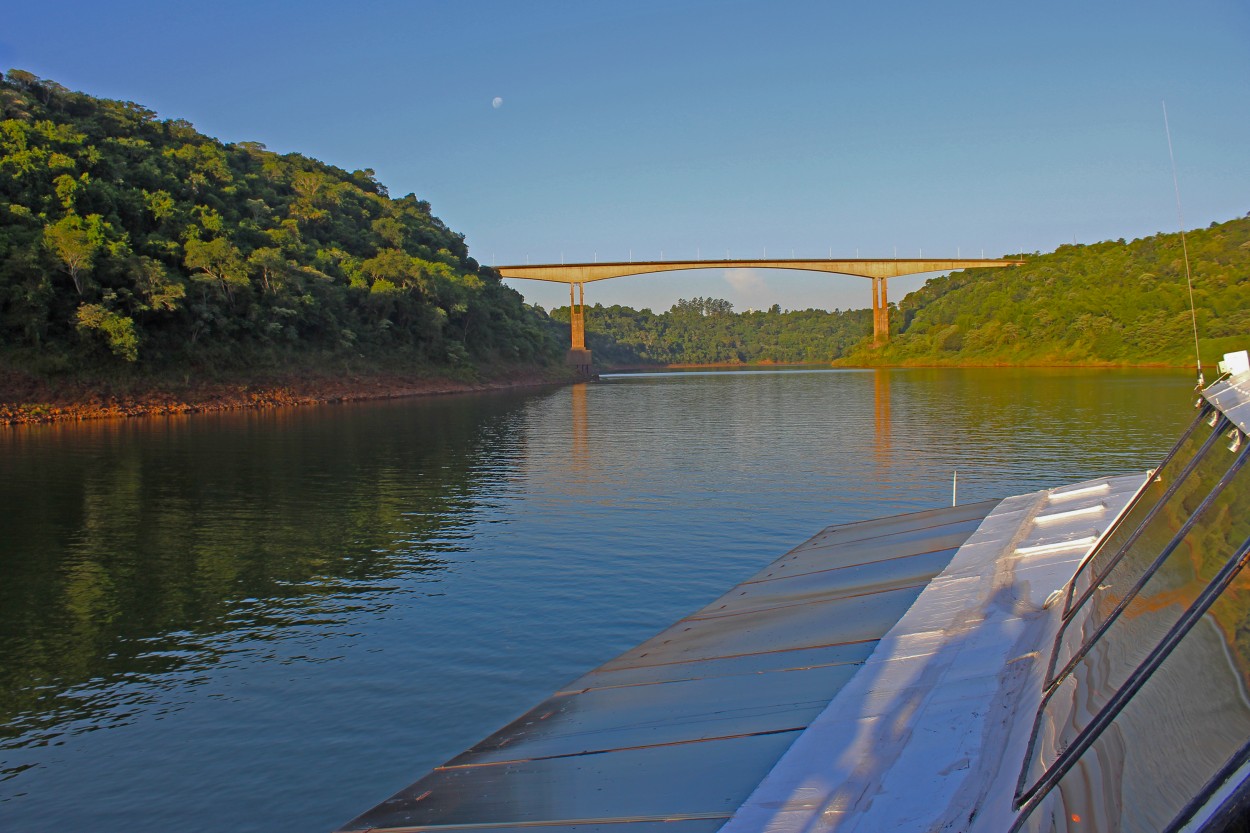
x: 1071, y: 659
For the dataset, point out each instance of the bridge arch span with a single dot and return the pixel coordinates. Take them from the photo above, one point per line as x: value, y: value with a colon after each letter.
x: 577, y: 275
x: 863, y: 268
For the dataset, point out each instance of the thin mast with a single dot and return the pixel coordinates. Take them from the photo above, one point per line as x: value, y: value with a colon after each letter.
x: 1180, y: 219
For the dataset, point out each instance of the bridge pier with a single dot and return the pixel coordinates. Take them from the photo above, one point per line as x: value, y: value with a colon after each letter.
x: 880, y: 312
x: 578, y: 356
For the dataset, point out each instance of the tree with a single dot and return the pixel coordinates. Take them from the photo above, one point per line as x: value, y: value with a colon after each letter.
x: 219, y: 261
x: 75, y: 244
x: 161, y: 290
x: 271, y: 265
x: 118, y: 330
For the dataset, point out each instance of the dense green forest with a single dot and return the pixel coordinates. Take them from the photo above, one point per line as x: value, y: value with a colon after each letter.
x: 128, y: 241
x: 708, y: 331
x: 1111, y: 302
x: 1106, y: 303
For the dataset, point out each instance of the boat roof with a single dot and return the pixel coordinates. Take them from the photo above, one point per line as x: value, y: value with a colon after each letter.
x: 681, y: 729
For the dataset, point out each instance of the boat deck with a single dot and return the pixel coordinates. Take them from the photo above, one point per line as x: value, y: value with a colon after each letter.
x: 930, y: 734
x: 681, y: 729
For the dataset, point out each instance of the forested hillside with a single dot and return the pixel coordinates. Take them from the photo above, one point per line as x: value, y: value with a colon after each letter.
x: 708, y: 331
x: 1112, y: 302
x: 129, y: 241
x: 134, y: 244
x: 1107, y: 303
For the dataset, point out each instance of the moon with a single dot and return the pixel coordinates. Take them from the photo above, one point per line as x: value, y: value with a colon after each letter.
x: 496, y: 102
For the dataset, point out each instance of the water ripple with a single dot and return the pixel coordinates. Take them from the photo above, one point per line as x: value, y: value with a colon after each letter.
x: 198, y: 614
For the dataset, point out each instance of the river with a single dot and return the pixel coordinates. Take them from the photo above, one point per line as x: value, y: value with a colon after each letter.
x: 272, y: 620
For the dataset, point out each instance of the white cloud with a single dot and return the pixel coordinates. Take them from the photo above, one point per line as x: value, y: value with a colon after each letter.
x: 749, y: 289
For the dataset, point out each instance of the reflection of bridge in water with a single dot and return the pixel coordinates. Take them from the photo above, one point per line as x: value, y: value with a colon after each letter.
x: 881, y: 416
x: 577, y: 275
x: 581, y: 458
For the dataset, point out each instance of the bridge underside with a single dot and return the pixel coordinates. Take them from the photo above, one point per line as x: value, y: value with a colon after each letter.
x: 878, y: 271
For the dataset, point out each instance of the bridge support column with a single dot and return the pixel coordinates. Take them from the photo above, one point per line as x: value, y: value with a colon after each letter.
x: 578, y: 355
x: 880, y: 312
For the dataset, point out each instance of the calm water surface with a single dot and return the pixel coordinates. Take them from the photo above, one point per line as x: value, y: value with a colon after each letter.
x: 271, y: 621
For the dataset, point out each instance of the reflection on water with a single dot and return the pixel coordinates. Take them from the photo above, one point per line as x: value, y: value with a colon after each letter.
x: 581, y: 430
x: 272, y: 620
x: 881, y: 412
x: 138, y: 556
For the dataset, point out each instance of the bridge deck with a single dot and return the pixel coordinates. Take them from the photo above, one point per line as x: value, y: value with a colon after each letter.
x: 859, y: 267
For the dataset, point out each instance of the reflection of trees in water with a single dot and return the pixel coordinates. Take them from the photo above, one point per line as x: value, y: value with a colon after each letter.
x: 172, y: 540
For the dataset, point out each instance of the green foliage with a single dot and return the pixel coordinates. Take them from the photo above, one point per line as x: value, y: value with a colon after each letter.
x: 132, y: 241
x: 708, y: 331
x: 1106, y: 303
x: 118, y: 330
x: 174, y: 250
x: 74, y: 244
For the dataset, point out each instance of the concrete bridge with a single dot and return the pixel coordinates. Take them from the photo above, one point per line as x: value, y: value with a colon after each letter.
x: 577, y: 275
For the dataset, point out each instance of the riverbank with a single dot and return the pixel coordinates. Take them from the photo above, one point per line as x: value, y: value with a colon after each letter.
x: 849, y: 364
x: 27, y: 399
x: 867, y: 360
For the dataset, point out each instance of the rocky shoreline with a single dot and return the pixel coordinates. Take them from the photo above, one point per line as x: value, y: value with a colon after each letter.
x: 28, y: 400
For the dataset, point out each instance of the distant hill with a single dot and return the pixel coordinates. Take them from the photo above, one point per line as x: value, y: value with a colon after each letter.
x: 1112, y: 303
x: 130, y: 241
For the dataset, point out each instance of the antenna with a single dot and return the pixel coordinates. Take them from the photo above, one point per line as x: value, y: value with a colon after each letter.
x: 1180, y: 218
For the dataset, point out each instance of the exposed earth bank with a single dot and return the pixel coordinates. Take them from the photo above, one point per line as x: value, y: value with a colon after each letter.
x: 28, y: 399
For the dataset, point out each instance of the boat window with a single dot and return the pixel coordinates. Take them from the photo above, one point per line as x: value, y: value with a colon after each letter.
x: 1164, y: 556
x: 1176, y: 739
x: 1170, y: 472
x: 1165, y: 615
x: 1171, y: 741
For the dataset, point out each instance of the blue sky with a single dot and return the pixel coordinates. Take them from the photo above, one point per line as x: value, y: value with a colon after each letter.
x: 644, y: 127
